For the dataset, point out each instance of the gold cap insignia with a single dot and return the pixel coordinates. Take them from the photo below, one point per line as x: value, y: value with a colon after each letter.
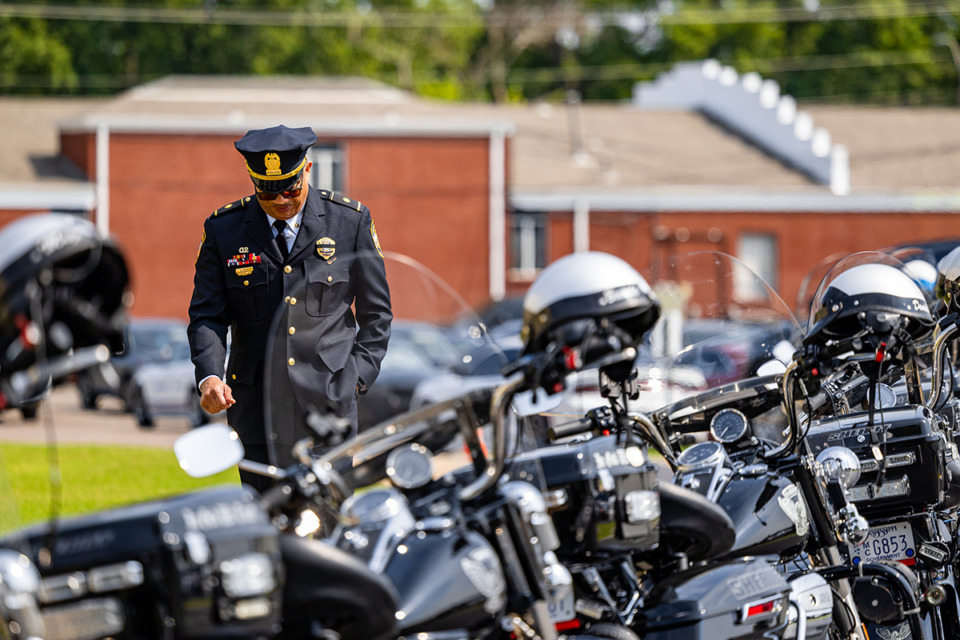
x: 272, y: 162
x: 326, y: 247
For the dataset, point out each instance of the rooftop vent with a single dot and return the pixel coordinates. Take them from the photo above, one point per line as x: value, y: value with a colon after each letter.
x: 752, y: 108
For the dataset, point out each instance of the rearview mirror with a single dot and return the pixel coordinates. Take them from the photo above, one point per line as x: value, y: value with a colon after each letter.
x: 208, y: 450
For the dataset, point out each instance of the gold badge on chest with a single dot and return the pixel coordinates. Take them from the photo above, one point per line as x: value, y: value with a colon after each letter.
x: 326, y: 247
x: 244, y: 271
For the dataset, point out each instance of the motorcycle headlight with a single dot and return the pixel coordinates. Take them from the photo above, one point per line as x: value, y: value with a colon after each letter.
x: 249, y: 575
x: 641, y: 506
x: 841, y: 464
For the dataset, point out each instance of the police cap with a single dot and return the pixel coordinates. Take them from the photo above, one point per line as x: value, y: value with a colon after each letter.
x: 276, y: 156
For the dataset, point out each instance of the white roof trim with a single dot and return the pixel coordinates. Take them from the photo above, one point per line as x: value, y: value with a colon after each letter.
x: 239, y: 123
x: 733, y: 202
x: 37, y: 196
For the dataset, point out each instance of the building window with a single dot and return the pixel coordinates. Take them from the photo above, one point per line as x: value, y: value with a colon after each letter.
x: 759, y: 252
x: 327, y: 172
x: 528, y: 244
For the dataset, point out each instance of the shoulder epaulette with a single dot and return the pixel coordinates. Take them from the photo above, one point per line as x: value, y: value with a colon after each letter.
x: 236, y: 205
x: 339, y: 198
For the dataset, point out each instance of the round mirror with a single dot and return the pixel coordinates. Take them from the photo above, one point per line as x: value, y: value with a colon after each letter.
x: 208, y: 450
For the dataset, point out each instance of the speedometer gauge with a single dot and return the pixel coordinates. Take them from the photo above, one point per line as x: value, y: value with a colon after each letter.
x: 410, y: 466
x: 728, y: 425
x: 703, y: 454
x: 886, y: 397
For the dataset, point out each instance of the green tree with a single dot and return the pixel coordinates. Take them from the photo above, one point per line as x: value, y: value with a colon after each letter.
x: 32, y: 60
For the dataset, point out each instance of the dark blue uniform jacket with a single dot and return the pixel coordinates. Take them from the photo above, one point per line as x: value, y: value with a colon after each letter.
x: 241, y: 281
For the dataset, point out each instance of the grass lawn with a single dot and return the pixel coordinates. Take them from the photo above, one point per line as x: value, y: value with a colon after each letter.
x: 91, y: 478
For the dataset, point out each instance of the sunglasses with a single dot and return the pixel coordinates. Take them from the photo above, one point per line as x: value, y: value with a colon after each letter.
x: 272, y: 195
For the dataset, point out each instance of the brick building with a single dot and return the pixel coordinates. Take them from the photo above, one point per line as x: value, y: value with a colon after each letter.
x: 484, y: 195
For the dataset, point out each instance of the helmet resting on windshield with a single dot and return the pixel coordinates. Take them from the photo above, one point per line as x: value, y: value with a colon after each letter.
x: 62, y: 287
x: 580, y: 290
x: 871, y: 298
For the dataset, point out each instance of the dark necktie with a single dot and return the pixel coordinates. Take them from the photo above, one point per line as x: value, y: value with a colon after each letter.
x: 280, y: 226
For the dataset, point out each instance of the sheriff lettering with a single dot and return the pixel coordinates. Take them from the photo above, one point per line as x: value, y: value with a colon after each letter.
x: 613, y: 296
x: 852, y: 433
x: 752, y: 583
x: 222, y: 515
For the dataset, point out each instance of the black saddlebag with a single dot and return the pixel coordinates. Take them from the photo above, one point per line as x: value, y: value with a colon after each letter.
x: 201, y: 565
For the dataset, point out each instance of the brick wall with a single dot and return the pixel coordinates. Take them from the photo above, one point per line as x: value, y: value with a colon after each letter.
x: 428, y: 198
x: 803, y: 239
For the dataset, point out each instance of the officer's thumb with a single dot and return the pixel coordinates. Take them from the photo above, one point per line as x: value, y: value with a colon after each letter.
x: 228, y: 395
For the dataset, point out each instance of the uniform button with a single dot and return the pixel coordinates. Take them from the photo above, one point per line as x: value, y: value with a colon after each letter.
x: 291, y: 362
x: 329, y: 278
x: 233, y: 376
x: 246, y: 282
x: 287, y: 299
x: 293, y: 301
x: 292, y: 330
x: 287, y: 269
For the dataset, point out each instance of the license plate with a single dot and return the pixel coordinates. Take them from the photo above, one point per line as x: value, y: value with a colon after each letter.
x: 562, y: 608
x: 886, y: 542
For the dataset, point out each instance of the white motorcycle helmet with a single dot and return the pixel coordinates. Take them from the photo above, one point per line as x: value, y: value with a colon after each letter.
x: 868, y: 297
x: 583, y: 290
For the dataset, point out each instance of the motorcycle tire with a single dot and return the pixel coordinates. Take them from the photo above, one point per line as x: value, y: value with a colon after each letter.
x: 607, y: 631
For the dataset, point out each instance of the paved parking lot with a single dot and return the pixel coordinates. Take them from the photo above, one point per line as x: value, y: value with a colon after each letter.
x: 60, y: 415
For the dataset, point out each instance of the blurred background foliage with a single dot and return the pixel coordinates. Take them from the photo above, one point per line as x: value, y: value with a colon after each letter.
x: 876, y: 51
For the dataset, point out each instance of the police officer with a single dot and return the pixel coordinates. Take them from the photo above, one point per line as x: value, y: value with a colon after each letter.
x: 261, y: 252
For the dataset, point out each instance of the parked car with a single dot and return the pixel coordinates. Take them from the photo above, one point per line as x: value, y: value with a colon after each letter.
x: 145, y: 340
x: 166, y: 389
x: 28, y: 410
x: 417, y: 351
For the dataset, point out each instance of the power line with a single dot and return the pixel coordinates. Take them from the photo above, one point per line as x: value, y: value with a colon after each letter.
x: 830, y: 13
x: 407, y: 19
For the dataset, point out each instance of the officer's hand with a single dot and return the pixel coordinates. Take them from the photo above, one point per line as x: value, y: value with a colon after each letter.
x: 215, y: 395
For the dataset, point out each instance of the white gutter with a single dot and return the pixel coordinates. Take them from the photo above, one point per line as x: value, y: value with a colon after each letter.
x: 774, y: 202
x: 239, y: 123
x: 498, y: 212
x: 103, y: 178
x: 48, y: 196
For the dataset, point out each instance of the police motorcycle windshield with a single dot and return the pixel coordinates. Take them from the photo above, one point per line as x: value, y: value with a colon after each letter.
x: 439, y: 351
x: 63, y: 299
x: 870, y: 280
x: 721, y: 323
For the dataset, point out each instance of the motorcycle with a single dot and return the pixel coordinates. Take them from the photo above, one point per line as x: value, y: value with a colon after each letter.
x: 882, y: 399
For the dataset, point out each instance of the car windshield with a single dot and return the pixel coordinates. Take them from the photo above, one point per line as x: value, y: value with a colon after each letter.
x: 421, y: 344
x: 488, y: 360
x: 160, y: 342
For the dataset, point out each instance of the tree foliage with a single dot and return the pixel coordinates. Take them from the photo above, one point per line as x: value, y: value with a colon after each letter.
x: 881, y: 51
